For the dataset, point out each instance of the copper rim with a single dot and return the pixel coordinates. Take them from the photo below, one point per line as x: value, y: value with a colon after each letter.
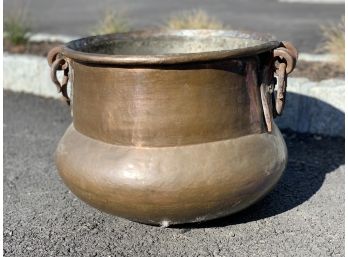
x: 72, y: 49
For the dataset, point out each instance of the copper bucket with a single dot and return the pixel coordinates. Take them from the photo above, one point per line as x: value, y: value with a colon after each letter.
x: 172, y: 126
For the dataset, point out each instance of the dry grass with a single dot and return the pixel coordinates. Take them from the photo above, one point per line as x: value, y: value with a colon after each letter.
x: 112, y: 22
x: 334, y: 41
x: 195, y: 19
x: 17, y: 28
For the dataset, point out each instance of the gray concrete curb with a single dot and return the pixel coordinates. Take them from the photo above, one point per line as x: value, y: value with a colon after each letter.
x: 314, y: 107
x: 311, y: 107
x: 29, y: 74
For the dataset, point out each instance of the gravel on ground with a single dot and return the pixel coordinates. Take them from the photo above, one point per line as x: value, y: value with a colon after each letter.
x: 302, y: 216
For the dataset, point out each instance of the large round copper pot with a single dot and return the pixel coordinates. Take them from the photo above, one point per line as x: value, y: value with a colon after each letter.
x: 172, y: 126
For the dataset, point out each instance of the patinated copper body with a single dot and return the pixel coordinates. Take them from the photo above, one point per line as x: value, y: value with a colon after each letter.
x: 172, y: 126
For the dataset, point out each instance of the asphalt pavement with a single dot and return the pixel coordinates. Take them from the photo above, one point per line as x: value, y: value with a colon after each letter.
x: 296, y: 22
x: 302, y: 216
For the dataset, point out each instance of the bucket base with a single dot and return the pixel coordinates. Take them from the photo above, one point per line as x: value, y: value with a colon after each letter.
x: 171, y: 185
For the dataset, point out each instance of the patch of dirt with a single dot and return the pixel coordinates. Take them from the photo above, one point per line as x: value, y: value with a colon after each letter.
x: 35, y: 48
x: 317, y: 71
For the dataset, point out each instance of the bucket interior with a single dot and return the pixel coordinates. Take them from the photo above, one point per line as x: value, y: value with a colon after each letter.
x: 166, y: 43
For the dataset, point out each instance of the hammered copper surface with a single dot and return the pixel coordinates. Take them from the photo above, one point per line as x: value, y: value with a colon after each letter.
x: 171, y: 185
x: 171, y: 106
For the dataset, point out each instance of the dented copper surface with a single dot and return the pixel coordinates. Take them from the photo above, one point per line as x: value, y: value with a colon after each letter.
x: 172, y: 126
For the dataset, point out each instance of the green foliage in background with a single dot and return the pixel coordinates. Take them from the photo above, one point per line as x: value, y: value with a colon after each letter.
x: 17, y: 28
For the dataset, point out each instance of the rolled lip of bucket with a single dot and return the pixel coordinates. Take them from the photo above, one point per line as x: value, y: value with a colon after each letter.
x: 76, y: 49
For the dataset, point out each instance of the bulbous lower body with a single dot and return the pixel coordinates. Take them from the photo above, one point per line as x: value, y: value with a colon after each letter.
x: 172, y: 185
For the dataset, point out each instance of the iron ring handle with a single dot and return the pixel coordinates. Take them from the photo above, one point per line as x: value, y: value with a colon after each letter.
x: 284, y: 59
x: 57, y: 62
x: 282, y: 55
x: 53, y: 54
x: 291, y: 48
x: 286, y: 52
